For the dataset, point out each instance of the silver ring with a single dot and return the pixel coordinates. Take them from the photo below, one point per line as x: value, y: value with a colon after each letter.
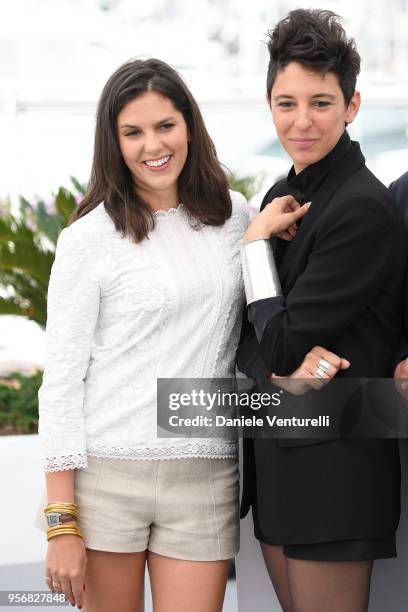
x: 323, y: 365
x: 320, y: 373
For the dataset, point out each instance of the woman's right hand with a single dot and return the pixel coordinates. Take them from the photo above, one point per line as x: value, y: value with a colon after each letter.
x: 278, y: 218
x: 305, y: 377
x: 66, y: 563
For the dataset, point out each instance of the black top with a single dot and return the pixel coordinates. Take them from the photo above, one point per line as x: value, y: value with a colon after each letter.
x: 341, y: 275
x: 399, y: 193
x: 302, y: 186
x: 342, y: 280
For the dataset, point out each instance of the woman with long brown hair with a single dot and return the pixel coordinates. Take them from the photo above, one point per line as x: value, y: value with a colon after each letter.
x: 146, y: 284
x: 132, y: 285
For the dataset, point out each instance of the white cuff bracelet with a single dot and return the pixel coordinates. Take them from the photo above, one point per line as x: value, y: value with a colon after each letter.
x: 259, y: 270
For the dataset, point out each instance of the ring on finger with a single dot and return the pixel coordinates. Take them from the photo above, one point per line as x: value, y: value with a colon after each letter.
x: 56, y: 584
x: 323, y: 365
x: 320, y: 373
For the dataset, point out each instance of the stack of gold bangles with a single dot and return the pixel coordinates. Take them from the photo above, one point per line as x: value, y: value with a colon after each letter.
x: 67, y: 528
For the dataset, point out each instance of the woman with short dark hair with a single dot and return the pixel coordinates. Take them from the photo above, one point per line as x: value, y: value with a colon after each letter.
x: 323, y: 511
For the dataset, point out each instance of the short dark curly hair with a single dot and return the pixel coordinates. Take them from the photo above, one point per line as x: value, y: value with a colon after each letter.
x: 316, y: 39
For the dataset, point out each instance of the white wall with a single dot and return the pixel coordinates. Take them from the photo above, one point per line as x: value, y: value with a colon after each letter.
x: 22, y: 485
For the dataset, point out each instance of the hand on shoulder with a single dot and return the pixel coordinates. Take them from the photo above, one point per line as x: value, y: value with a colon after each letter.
x: 278, y: 218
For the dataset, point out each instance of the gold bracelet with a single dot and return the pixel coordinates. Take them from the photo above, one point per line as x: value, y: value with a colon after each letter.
x: 56, y: 528
x: 60, y: 528
x: 63, y: 526
x: 50, y: 537
x: 63, y: 530
x: 63, y: 508
x: 73, y: 531
x: 61, y: 511
x: 67, y: 505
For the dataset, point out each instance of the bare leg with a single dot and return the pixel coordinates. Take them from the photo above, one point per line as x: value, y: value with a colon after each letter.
x: 338, y: 586
x: 275, y: 562
x: 114, y: 582
x: 184, y: 586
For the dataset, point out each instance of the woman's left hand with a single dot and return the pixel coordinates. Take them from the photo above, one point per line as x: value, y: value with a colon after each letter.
x: 278, y: 218
x: 317, y: 369
x: 401, y: 378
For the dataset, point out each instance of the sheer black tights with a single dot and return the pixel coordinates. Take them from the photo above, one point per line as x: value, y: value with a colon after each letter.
x: 318, y: 586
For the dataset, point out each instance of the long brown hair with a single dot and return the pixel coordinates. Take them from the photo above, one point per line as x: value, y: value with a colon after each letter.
x: 202, y: 183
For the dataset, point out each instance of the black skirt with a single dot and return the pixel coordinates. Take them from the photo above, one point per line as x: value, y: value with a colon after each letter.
x: 338, y: 500
x: 347, y: 550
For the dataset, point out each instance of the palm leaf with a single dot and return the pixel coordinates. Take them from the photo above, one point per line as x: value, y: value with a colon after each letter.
x: 28, y: 259
x: 65, y: 203
x: 9, y: 307
x: 49, y: 224
x: 247, y: 185
x: 12, y: 230
x: 24, y: 296
x: 78, y: 186
x: 27, y: 251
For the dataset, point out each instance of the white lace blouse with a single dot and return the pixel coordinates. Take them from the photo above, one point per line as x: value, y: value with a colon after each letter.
x: 121, y: 315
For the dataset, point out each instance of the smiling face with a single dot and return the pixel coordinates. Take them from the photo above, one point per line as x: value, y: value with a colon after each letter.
x: 309, y: 113
x: 153, y: 139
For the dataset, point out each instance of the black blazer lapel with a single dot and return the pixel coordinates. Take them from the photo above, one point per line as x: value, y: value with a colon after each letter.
x: 295, y: 255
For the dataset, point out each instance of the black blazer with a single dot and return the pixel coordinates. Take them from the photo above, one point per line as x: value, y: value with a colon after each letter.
x: 342, y: 276
x: 342, y: 280
x: 399, y: 193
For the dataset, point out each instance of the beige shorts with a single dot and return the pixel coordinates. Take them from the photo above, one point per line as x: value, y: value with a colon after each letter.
x: 180, y: 508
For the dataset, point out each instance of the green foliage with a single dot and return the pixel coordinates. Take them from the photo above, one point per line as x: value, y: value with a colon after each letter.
x: 77, y: 185
x: 5, y: 207
x: 19, y: 403
x: 65, y: 204
x: 27, y: 249
x: 247, y: 185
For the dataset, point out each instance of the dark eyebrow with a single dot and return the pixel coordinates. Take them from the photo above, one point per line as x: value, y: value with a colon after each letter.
x: 318, y: 95
x: 161, y: 122
x: 165, y: 120
x: 282, y: 96
x: 324, y: 95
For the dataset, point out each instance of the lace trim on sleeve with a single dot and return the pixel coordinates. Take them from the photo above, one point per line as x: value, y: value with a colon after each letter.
x: 65, y: 462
